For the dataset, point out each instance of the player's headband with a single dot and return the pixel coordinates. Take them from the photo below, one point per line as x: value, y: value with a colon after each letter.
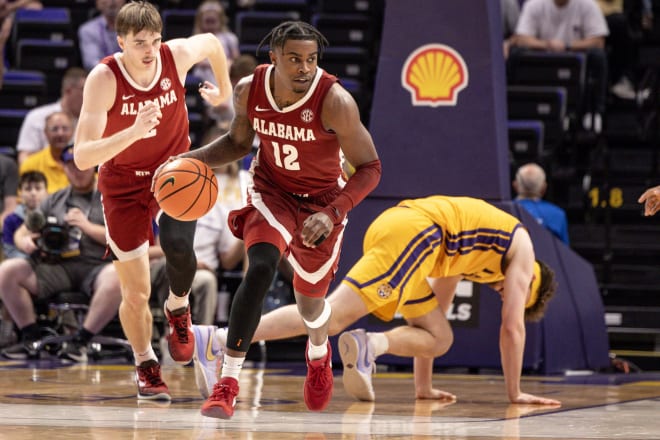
x: 536, y: 284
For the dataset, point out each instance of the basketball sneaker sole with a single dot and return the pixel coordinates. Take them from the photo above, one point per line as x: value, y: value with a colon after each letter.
x: 356, y: 383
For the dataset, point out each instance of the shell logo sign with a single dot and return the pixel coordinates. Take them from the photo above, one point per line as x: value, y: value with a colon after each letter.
x: 434, y: 74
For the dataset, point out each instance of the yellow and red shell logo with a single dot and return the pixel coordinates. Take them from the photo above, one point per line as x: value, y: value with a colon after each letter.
x: 434, y: 74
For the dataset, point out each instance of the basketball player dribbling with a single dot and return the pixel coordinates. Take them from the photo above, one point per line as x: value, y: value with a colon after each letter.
x: 298, y: 200
x: 133, y: 118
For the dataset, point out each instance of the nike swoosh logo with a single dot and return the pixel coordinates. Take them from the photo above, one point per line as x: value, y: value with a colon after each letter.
x: 261, y: 109
x: 125, y: 97
x: 169, y: 180
x: 209, y: 350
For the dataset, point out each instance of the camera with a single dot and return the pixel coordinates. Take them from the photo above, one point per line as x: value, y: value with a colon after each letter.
x: 56, y: 238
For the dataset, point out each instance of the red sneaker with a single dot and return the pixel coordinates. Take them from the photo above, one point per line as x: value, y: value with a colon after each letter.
x: 149, y: 382
x: 180, y: 339
x: 222, y: 401
x: 319, y: 381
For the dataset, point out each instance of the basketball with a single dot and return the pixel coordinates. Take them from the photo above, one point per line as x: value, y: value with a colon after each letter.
x: 186, y: 189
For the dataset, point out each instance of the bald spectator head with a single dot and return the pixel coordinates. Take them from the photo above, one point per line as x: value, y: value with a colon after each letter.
x: 530, y: 182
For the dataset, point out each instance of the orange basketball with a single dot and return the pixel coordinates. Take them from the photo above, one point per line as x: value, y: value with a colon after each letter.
x: 186, y: 189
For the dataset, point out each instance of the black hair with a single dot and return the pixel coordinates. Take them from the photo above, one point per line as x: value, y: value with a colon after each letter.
x: 32, y: 177
x: 293, y: 30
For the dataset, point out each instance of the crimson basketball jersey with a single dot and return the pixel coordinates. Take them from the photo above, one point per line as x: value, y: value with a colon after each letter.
x: 167, y: 139
x: 295, y: 152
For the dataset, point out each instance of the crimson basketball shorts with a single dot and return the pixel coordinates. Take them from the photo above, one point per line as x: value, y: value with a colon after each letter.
x: 129, y: 208
x: 276, y: 217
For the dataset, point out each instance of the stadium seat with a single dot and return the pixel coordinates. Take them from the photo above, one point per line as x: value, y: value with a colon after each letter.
x: 544, y: 103
x: 345, y: 29
x: 23, y: 89
x: 52, y: 24
x: 371, y: 7
x: 347, y: 62
x: 526, y: 141
x: 177, y: 23
x: 299, y: 6
x: 51, y: 57
x: 80, y: 10
x: 10, y: 124
x: 252, y: 26
x: 567, y: 69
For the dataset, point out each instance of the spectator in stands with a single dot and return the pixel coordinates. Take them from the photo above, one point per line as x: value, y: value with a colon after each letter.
x: 97, y: 37
x: 5, y: 29
x: 8, y: 7
x: 510, y: 13
x: 78, y: 265
x: 32, y: 189
x: 530, y: 185
x: 8, y: 186
x: 211, y: 17
x: 32, y: 137
x: 570, y: 25
x: 622, y: 49
x: 242, y: 66
x: 58, y: 131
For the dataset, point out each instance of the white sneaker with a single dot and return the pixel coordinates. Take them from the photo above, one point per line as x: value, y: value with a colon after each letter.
x: 359, y: 364
x: 624, y: 89
x: 586, y: 121
x: 207, y: 362
x: 593, y: 121
x: 598, y: 123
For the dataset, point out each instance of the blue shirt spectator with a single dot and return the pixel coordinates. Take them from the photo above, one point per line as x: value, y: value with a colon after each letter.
x: 530, y: 184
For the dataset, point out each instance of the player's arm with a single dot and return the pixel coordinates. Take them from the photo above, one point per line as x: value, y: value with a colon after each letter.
x: 238, y: 141
x: 190, y: 51
x: 90, y: 147
x: 341, y: 115
x: 517, y: 282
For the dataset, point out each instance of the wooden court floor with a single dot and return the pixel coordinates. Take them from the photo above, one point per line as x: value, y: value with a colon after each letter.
x: 44, y: 400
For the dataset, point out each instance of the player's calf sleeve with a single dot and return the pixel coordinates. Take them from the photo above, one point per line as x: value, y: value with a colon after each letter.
x: 248, y: 300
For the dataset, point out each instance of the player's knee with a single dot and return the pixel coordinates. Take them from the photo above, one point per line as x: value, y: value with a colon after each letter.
x: 135, y: 297
x: 443, y: 343
x: 176, y: 248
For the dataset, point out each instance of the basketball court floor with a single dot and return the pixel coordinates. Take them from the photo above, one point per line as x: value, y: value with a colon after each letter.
x: 50, y: 400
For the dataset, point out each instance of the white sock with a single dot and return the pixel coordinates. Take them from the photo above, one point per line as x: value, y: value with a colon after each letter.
x: 379, y: 343
x: 317, y: 351
x: 175, y: 302
x: 231, y: 367
x: 146, y: 356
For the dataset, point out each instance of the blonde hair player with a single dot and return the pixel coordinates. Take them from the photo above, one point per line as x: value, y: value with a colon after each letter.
x: 133, y: 118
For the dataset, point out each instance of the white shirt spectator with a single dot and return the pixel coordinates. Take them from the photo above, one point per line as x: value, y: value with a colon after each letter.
x: 31, y: 137
x: 577, y: 20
